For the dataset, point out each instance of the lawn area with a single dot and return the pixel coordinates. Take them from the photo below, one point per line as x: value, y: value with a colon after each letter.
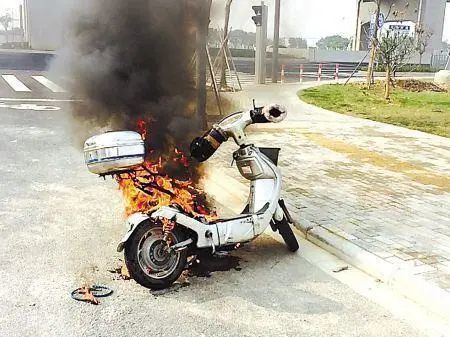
x: 425, y: 111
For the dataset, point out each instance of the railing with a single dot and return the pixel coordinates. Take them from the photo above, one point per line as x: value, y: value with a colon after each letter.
x: 440, y: 61
x: 316, y: 71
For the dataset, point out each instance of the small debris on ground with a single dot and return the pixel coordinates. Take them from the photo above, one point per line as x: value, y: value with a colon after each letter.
x: 90, y: 294
x: 338, y: 270
x: 121, y: 272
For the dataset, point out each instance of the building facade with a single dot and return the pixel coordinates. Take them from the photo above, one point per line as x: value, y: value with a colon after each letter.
x: 429, y: 14
x: 46, y: 23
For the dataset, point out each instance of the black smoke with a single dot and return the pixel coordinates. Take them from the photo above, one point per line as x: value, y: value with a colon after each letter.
x: 133, y: 60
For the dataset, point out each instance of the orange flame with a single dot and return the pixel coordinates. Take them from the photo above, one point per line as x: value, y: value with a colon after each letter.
x: 148, y: 188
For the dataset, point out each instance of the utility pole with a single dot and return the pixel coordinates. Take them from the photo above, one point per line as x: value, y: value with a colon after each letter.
x: 223, y: 78
x: 420, y: 10
x: 276, y: 41
x: 260, y: 20
x: 202, y: 40
x: 358, y: 28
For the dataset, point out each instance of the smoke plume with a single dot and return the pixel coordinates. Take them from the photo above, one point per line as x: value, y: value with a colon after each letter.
x: 133, y: 60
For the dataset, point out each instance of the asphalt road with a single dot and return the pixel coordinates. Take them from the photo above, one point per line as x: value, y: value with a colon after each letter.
x: 59, y: 228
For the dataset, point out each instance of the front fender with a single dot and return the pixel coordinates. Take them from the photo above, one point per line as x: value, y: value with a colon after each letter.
x: 133, y: 221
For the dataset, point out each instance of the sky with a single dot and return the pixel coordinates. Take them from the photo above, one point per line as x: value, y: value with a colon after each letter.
x: 310, y: 19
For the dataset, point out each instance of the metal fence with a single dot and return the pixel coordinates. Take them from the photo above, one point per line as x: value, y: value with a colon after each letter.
x: 440, y: 61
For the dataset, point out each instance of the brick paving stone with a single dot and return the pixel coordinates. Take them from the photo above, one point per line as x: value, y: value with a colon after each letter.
x: 382, y: 187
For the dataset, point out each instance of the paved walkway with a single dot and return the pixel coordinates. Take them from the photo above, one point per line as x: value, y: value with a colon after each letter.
x: 382, y: 188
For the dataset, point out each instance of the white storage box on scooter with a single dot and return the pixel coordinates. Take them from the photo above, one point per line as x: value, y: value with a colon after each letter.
x: 114, y: 152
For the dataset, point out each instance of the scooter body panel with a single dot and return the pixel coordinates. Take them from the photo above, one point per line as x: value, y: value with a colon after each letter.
x: 263, y: 201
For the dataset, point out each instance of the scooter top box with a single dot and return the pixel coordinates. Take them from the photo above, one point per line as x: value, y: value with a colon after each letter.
x: 113, y: 152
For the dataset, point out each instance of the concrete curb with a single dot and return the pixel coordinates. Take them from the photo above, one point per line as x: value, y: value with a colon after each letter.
x: 230, y: 191
x: 411, y: 286
x: 25, y: 60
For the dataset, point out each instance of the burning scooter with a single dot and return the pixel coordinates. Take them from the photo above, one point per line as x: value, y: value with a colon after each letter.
x: 158, y: 244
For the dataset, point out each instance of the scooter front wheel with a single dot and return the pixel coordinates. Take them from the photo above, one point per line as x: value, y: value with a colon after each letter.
x: 149, y: 260
x: 287, y: 234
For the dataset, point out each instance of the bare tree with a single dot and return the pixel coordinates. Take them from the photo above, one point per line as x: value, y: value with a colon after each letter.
x: 423, y: 37
x: 393, y: 50
x: 6, y: 20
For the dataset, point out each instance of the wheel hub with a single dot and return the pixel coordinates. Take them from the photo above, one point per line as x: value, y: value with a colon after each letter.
x: 155, y: 257
x: 159, y: 253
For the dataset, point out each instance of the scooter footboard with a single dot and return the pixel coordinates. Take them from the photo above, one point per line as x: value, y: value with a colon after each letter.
x: 236, y: 230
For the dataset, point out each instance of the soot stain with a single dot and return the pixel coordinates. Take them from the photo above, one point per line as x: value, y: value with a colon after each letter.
x: 205, y: 264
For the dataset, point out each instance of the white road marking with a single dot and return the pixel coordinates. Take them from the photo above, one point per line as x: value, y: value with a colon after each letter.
x: 15, y: 83
x: 48, y: 84
x: 9, y: 99
x: 34, y: 107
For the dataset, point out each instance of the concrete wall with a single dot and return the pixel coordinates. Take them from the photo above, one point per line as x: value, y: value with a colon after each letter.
x: 433, y: 19
x: 46, y: 23
x: 15, y: 36
x: 319, y: 55
x: 336, y: 56
x: 340, y: 56
x: 297, y: 53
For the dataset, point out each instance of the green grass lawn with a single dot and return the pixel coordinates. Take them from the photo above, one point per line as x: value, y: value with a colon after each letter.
x: 425, y: 111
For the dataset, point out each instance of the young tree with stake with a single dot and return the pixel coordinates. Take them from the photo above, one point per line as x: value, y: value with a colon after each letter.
x: 374, y: 37
x: 393, y: 50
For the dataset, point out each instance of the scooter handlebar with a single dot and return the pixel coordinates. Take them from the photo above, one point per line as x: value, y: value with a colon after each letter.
x: 272, y: 113
x: 202, y: 148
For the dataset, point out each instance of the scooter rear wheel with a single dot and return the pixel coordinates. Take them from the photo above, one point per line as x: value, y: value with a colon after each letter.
x: 148, y: 259
x: 287, y: 234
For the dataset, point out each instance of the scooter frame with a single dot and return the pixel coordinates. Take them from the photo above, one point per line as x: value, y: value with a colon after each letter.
x: 263, y: 201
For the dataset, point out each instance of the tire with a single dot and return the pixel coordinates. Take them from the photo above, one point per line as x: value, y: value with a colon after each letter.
x: 287, y: 234
x: 148, y: 236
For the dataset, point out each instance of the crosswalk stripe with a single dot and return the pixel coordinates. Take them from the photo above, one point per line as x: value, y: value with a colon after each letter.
x: 48, y: 84
x: 15, y: 83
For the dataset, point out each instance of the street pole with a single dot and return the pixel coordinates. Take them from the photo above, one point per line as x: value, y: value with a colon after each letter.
x: 419, y: 18
x: 358, y: 28
x: 261, y: 42
x: 26, y: 17
x: 202, y: 40
x: 276, y: 41
x: 223, y: 78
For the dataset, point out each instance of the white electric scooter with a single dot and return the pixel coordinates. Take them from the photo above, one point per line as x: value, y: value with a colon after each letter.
x: 156, y: 257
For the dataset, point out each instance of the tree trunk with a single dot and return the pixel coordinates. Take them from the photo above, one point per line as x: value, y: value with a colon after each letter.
x: 223, y: 77
x: 387, y: 91
x: 374, y: 45
x: 420, y: 59
x: 202, y: 40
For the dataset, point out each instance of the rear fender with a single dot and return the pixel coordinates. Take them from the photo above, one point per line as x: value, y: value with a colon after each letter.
x: 133, y: 222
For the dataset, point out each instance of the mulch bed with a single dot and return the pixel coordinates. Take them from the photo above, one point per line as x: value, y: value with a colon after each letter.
x: 419, y: 86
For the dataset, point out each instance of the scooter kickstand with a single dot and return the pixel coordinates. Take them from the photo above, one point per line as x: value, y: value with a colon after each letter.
x: 208, y: 235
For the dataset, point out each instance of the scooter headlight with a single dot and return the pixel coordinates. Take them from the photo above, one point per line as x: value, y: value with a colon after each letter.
x: 202, y: 148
